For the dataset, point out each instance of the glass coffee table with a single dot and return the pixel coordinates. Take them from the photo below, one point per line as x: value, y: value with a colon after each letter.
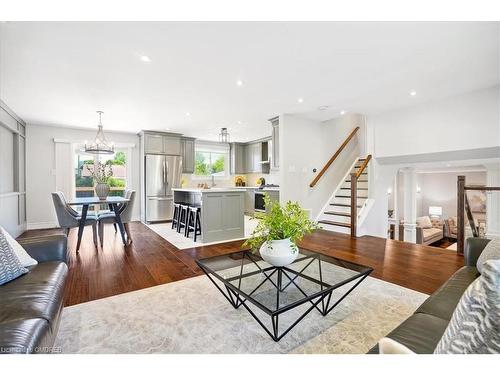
x: 313, y: 282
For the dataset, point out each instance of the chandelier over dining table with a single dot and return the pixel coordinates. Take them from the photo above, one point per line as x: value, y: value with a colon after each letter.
x: 100, y: 145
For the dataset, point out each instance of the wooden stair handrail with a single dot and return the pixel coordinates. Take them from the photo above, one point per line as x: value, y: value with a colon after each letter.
x: 332, y: 159
x: 483, y: 188
x: 464, y: 208
x: 470, y: 218
x: 363, y: 166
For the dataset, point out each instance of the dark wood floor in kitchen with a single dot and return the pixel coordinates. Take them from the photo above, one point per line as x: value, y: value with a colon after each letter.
x: 150, y: 260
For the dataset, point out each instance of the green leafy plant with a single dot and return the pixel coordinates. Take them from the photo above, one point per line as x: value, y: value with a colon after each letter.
x: 101, y: 173
x: 281, y: 222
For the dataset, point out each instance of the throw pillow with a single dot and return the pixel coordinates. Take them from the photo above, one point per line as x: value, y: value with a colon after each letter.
x: 10, y: 266
x: 424, y: 222
x: 474, y: 327
x: 491, y: 251
x: 23, y: 256
x: 389, y: 346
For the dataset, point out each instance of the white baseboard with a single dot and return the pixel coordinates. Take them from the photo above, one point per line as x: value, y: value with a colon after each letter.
x: 42, y: 225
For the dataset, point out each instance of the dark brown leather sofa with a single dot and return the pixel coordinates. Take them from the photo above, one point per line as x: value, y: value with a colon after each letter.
x: 31, y: 305
x: 422, y: 331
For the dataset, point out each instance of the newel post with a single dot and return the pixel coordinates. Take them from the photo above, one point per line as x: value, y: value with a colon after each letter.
x: 460, y: 214
x: 354, y: 203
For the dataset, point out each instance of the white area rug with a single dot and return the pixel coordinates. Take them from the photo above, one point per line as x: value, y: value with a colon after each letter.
x: 452, y: 247
x: 191, y: 316
x: 178, y: 240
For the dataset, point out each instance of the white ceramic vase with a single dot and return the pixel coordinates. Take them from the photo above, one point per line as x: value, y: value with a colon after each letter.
x: 102, y: 191
x: 279, y: 253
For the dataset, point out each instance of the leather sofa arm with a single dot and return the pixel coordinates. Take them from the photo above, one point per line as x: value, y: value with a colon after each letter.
x: 474, y: 246
x: 47, y: 248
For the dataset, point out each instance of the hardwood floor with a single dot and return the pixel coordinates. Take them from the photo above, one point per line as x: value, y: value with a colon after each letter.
x: 150, y: 260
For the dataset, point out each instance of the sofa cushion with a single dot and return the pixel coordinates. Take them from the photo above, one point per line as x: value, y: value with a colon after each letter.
x: 475, y: 325
x: 431, y: 233
x: 10, y: 266
x: 21, y: 254
x: 443, y: 302
x: 35, y: 295
x: 24, y: 336
x: 424, y: 222
x: 437, y: 222
x: 420, y: 333
x: 491, y: 251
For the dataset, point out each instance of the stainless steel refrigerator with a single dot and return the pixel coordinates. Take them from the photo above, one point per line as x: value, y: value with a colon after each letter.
x: 163, y: 172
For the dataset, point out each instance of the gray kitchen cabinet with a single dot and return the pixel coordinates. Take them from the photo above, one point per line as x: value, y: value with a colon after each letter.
x: 275, y: 136
x: 253, y: 157
x: 238, y: 158
x: 162, y: 143
x: 153, y: 143
x: 187, y: 153
x: 172, y: 145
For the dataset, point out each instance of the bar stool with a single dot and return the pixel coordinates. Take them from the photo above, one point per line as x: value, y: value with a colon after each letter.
x: 193, y: 222
x: 177, y: 211
x: 183, y: 215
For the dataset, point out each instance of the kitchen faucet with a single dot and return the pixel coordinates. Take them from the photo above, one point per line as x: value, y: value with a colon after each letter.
x: 213, y: 181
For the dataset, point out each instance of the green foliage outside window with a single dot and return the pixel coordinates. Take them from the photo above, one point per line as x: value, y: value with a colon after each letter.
x: 208, y: 163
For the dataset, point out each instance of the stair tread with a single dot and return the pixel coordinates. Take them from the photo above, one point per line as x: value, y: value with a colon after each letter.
x: 360, y: 188
x: 343, y: 205
x: 346, y: 214
x: 336, y: 223
x: 358, y: 180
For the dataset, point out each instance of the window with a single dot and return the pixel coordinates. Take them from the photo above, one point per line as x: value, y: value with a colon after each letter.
x: 84, y: 163
x: 211, y: 159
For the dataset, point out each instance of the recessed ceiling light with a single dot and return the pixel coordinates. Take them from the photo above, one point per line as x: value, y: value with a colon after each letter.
x: 300, y: 100
x: 188, y: 114
x: 239, y: 82
x: 323, y: 107
x: 145, y: 58
x: 342, y: 113
x: 413, y: 93
x: 239, y: 122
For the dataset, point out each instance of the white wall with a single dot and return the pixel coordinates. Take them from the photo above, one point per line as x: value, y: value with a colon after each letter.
x: 41, y: 176
x: 464, y: 122
x: 440, y: 189
x: 307, y: 144
x: 444, y: 129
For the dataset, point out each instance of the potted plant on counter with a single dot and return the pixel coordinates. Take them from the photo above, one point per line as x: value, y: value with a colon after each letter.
x: 278, y: 232
x: 101, y: 173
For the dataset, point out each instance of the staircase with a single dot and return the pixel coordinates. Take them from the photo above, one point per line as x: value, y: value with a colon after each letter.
x: 337, y: 214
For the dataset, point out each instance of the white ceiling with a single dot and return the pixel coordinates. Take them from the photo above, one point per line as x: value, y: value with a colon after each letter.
x: 61, y: 73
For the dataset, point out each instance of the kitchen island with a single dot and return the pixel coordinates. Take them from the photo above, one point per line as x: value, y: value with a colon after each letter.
x: 222, y: 211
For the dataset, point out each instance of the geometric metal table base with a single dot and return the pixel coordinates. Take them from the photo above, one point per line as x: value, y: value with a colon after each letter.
x: 285, y: 278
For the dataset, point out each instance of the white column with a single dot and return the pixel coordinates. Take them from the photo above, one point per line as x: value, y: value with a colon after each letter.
x: 410, y: 204
x: 493, y: 200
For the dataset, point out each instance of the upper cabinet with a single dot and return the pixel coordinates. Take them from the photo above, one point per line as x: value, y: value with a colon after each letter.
x: 275, y: 139
x: 153, y: 143
x: 187, y: 153
x: 162, y: 143
x: 238, y: 158
x: 256, y: 157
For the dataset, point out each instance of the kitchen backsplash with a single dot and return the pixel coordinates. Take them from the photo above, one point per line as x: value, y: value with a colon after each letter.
x: 250, y: 179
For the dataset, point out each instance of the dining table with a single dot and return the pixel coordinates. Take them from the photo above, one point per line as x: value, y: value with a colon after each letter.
x: 113, y: 204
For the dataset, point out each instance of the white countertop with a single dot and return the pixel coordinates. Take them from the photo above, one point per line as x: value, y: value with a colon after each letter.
x: 206, y: 191
x: 257, y: 188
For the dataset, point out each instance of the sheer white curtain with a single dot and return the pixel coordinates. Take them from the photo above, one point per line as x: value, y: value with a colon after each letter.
x: 64, y: 167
